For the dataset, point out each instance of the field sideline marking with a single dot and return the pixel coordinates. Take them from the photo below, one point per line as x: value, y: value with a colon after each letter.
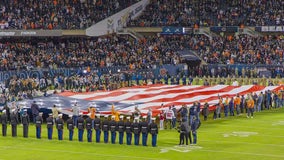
x: 276, y: 145
x: 278, y: 128
x: 244, y: 153
x: 64, y: 151
x: 201, y: 150
x: 264, y: 135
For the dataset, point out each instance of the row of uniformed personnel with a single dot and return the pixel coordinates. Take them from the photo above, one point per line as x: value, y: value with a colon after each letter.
x: 89, y: 124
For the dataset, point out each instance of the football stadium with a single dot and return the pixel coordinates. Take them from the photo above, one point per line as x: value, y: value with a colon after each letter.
x: 141, y: 79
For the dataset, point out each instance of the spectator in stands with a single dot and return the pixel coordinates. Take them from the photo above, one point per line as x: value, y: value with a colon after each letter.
x: 44, y: 14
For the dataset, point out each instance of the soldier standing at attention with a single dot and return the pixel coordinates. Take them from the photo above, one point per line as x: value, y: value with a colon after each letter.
x: 89, y: 127
x: 154, y: 132
x: 136, y: 131
x: 121, y: 129
x: 113, y: 128
x: 38, y: 122
x: 144, y: 130
x: 49, y: 125
x: 128, y: 130
x: 60, y: 126
x: 25, y: 122
x: 97, y: 127
x: 70, y: 127
x: 106, y: 128
x: 14, y: 122
x: 81, y: 127
x: 4, y: 122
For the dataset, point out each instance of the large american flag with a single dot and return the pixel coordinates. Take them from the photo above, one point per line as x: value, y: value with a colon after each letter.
x: 125, y: 100
x: 153, y: 96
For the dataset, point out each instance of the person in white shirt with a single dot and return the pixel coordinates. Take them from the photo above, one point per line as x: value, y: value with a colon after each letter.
x: 169, y: 117
x: 55, y: 112
x: 235, y: 83
x: 76, y: 111
x: 149, y: 116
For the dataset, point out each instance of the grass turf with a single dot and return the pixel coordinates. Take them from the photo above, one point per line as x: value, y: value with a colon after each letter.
x: 235, y: 138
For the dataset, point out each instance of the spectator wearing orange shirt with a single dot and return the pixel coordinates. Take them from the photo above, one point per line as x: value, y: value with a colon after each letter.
x: 250, y: 105
x: 237, y: 102
x: 92, y: 112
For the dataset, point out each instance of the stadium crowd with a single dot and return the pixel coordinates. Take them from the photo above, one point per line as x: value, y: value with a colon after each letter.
x: 144, y: 54
x: 57, y: 14
x: 69, y: 14
x: 83, y: 52
x: 211, y: 13
x: 241, y: 49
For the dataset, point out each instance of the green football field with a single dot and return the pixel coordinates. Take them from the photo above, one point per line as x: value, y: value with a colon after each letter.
x: 233, y: 138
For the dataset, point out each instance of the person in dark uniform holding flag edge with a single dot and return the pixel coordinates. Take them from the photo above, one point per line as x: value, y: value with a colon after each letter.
x: 97, y: 127
x: 59, y: 127
x: 144, y: 129
x: 14, y: 122
x: 49, y: 125
x: 136, y: 131
x: 25, y: 122
x: 89, y: 127
x: 153, y: 128
x: 70, y: 127
x: 113, y: 129
x: 81, y: 127
x: 128, y: 130
x: 38, y: 122
x: 4, y: 122
x: 105, y: 128
x: 121, y: 129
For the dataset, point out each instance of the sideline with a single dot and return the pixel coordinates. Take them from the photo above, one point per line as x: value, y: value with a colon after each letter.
x: 260, y: 135
x: 251, y: 127
x: 217, y: 141
x: 201, y: 149
x: 73, y: 152
x: 276, y: 145
x: 244, y: 153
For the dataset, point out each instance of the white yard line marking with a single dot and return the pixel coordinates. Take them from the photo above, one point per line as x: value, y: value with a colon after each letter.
x: 91, y: 153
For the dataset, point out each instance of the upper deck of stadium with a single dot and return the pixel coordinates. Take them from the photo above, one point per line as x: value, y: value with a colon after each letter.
x: 75, y: 14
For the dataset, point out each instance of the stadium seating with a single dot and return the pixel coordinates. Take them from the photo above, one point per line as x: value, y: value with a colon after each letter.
x: 57, y: 14
x: 140, y: 56
x: 211, y: 13
x: 83, y: 52
x: 241, y: 49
